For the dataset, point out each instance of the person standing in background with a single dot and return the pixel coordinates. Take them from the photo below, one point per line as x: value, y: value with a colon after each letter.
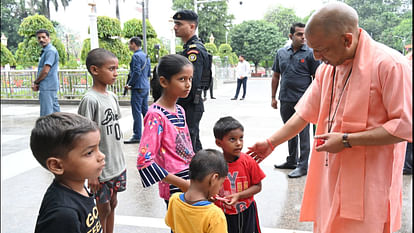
x: 139, y: 84
x: 213, y: 74
x: 47, y: 81
x: 295, y: 67
x: 242, y: 72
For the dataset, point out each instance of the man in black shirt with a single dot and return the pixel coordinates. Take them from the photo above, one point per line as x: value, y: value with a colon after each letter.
x: 185, y: 25
x: 297, y: 66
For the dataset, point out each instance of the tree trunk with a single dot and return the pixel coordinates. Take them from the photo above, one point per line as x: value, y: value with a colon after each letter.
x: 117, y: 10
x: 47, y: 9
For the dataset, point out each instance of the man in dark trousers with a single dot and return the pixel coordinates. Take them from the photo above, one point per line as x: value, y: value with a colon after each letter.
x: 139, y: 84
x: 185, y: 25
x: 297, y: 66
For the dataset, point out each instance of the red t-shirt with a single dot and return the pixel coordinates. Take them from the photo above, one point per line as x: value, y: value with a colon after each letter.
x: 243, y: 173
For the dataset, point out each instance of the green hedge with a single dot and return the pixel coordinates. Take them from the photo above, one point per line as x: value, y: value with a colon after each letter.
x: 211, y: 48
x: 108, y: 27
x: 28, y: 51
x: 6, y: 56
x: 116, y: 46
x: 31, y: 24
x: 133, y: 27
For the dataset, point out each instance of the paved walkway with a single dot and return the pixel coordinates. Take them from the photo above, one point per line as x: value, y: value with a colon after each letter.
x: 141, y: 210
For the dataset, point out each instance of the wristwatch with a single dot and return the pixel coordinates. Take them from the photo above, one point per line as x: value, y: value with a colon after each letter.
x: 345, y: 140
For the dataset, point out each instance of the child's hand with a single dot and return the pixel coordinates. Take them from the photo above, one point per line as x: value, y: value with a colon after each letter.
x: 232, y: 199
x: 94, y: 185
x: 218, y: 198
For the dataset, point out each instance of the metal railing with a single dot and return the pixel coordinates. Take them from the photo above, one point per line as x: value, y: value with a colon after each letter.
x: 73, y: 84
x: 16, y: 84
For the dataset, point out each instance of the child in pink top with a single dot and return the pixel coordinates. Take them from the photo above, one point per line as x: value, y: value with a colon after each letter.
x: 165, y: 151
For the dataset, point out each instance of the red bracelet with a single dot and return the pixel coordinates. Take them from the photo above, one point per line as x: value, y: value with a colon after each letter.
x: 270, y: 144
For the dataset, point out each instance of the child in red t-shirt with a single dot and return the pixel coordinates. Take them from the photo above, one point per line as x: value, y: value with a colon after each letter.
x: 243, y: 179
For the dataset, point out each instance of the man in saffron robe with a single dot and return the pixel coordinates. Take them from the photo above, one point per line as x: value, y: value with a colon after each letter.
x: 361, y: 101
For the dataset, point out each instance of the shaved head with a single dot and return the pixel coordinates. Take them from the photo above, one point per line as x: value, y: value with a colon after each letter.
x: 333, y: 19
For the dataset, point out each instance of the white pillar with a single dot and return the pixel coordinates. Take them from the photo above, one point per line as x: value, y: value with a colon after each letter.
x: 172, y: 40
x: 93, y: 28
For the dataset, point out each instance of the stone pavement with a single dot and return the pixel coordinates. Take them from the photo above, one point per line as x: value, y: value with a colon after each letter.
x: 23, y: 181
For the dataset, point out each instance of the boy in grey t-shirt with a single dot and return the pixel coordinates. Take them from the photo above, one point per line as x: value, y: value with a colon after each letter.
x: 101, y: 106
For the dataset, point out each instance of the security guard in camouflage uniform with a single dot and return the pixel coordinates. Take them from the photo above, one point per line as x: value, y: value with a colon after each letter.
x: 185, y: 24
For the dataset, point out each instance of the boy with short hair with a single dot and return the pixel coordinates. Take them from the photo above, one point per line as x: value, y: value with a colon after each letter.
x: 67, y: 145
x: 243, y: 179
x: 101, y: 106
x: 192, y: 211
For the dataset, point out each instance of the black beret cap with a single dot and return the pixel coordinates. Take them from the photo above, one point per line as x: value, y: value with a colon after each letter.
x: 186, y: 15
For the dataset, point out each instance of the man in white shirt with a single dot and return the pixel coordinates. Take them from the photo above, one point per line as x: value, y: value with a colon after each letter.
x: 243, y: 70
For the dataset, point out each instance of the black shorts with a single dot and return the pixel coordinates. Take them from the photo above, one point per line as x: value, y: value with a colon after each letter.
x: 244, y: 222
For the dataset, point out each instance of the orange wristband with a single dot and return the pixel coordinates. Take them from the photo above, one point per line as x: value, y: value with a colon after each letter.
x: 270, y: 144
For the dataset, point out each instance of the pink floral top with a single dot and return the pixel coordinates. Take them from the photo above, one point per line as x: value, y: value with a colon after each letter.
x: 165, y: 148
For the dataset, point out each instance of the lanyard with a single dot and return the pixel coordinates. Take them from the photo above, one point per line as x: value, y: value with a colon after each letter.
x: 331, y: 120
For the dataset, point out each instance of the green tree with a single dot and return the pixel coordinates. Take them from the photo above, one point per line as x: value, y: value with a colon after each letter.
x: 378, y: 16
x: 6, y: 56
x: 12, y: 14
x: 224, y: 50
x: 257, y: 40
x: 133, y: 27
x: 283, y: 18
x: 28, y: 51
x: 109, y: 31
x: 31, y: 24
x: 401, y: 35
x: 213, y: 18
x: 226, y: 54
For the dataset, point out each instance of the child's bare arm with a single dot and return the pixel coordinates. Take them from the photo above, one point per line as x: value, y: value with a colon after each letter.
x: 94, y: 185
x: 177, y: 181
x: 252, y: 190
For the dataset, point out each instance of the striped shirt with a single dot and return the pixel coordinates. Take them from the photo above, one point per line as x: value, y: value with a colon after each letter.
x: 165, y: 148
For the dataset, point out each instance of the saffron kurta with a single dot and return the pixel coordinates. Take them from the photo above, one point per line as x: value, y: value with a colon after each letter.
x: 361, y: 188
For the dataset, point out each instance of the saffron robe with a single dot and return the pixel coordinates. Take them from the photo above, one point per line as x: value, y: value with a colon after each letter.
x: 361, y: 188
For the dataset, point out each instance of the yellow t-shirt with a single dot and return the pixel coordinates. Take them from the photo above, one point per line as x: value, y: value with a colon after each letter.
x: 185, y: 218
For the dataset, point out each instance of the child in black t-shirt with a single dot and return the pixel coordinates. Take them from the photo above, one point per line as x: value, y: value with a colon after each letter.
x: 68, y: 146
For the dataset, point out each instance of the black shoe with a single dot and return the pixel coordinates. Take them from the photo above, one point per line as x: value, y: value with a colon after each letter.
x: 131, y: 141
x: 233, y: 98
x: 298, y: 172
x: 286, y: 166
x: 407, y: 171
x: 242, y: 98
x: 213, y: 98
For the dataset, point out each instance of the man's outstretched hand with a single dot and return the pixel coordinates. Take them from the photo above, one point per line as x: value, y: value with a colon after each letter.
x: 259, y: 151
